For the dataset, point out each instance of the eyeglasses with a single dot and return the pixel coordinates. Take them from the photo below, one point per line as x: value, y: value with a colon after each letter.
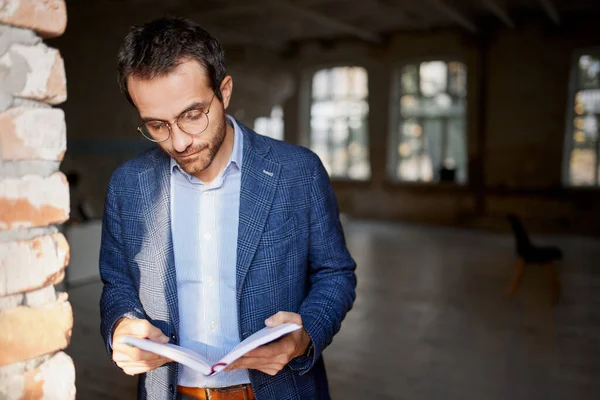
x: 193, y: 122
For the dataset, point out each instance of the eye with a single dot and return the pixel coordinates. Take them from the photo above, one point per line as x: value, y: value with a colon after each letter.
x: 155, y: 126
x: 193, y: 115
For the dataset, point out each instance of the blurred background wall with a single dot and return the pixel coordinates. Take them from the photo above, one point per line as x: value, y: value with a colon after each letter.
x: 503, y: 79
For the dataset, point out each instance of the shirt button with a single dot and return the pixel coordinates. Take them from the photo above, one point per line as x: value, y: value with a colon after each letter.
x: 211, y: 281
x: 173, y: 337
x: 205, y: 193
x: 213, y: 325
x: 171, y: 389
x: 207, y: 236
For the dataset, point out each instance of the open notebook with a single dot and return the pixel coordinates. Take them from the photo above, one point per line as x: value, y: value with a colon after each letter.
x: 195, y: 361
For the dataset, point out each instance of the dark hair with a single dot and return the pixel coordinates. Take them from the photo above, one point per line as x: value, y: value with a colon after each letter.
x: 159, y: 46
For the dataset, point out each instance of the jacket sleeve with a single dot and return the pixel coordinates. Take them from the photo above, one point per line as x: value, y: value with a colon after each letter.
x: 331, y: 269
x: 119, y: 297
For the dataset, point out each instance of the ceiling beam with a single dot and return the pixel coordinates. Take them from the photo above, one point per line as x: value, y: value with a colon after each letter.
x: 298, y: 9
x: 228, y: 35
x: 500, y: 12
x: 328, y: 21
x: 231, y: 37
x: 226, y: 11
x: 551, y: 11
x: 455, y: 15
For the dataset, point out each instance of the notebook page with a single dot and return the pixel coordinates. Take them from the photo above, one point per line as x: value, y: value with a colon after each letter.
x: 173, y: 352
x: 259, y: 338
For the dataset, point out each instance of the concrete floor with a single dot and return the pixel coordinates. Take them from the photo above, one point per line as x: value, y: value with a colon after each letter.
x: 430, y: 322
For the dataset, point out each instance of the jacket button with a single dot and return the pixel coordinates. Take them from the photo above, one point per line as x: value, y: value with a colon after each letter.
x: 171, y: 389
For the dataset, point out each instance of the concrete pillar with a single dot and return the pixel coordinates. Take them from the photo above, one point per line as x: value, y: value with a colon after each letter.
x: 379, y: 122
x: 35, y: 320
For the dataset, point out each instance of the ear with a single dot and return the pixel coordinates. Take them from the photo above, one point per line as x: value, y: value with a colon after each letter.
x: 226, y: 90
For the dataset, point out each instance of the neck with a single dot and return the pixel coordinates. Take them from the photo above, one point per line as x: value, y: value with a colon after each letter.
x: 221, y: 159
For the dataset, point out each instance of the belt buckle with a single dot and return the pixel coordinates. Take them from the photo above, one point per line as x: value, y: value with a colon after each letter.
x: 225, y: 391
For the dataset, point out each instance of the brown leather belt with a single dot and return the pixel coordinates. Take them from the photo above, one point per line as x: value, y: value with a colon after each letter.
x: 238, y: 392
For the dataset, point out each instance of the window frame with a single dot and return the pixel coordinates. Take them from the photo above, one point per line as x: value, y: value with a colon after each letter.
x: 306, y: 97
x: 283, y: 136
x: 572, y: 87
x: 395, y: 94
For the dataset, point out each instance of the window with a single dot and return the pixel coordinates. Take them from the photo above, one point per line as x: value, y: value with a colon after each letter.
x: 271, y: 126
x: 338, y: 121
x: 583, y: 145
x: 428, y: 141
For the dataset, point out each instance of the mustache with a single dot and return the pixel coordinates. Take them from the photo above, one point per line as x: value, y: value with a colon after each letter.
x: 189, y: 151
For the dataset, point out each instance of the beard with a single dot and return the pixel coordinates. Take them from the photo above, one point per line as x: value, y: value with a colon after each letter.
x: 206, y: 151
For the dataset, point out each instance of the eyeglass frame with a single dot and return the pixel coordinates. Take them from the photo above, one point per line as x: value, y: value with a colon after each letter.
x: 176, y: 121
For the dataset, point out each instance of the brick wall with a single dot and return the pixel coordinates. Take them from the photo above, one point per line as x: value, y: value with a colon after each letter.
x: 35, y: 319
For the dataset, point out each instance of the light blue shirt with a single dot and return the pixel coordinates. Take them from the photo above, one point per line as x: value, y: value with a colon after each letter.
x: 205, y: 231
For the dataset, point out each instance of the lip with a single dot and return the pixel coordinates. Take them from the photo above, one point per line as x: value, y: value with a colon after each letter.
x: 190, y: 155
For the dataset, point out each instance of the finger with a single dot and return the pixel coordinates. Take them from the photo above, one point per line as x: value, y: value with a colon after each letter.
x: 265, y: 351
x: 142, y: 355
x: 261, y: 366
x: 257, y: 363
x: 248, y: 363
x: 136, y: 370
x: 128, y: 367
x: 119, y: 356
x: 143, y: 366
x: 156, y: 335
x: 285, y: 345
x: 144, y: 329
x: 129, y: 353
x: 134, y: 353
x: 157, y: 362
x: 270, y: 370
x: 283, y: 317
x: 138, y: 328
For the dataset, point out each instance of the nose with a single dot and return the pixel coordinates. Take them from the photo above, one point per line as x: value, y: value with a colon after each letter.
x: 181, y: 140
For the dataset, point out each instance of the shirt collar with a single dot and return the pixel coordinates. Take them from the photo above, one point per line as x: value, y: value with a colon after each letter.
x: 236, y: 153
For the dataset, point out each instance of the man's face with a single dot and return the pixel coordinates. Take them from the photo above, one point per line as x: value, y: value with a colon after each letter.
x: 166, y: 97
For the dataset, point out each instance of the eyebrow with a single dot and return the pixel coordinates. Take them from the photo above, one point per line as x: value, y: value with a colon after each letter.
x: 193, y: 106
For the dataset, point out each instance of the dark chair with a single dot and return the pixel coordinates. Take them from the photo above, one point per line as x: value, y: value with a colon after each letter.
x: 528, y: 253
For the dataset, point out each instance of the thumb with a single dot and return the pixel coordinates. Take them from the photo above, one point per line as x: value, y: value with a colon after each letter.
x: 282, y: 317
x: 156, y: 335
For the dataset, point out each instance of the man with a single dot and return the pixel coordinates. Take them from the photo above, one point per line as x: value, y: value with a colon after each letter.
x: 216, y: 233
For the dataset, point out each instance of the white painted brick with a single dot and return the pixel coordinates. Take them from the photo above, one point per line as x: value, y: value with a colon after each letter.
x: 53, y: 379
x: 29, y: 332
x: 41, y: 69
x: 33, y: 201
x: 47, y: 17
x: 32, y: 264
x: 33, y: 134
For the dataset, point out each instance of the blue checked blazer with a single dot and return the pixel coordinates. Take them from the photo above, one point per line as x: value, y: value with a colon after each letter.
x: 291, y: 256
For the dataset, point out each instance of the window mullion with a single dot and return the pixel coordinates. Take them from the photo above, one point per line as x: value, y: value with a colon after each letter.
x: 597, y: 169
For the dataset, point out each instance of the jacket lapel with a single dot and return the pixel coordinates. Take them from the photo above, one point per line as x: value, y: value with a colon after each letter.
x: 155, y: 186
x: 259, y: 182
x: 258, y: 186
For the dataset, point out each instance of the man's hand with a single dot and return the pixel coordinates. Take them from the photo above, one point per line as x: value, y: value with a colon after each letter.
x: 271, y: 358
x: 131, y: 359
